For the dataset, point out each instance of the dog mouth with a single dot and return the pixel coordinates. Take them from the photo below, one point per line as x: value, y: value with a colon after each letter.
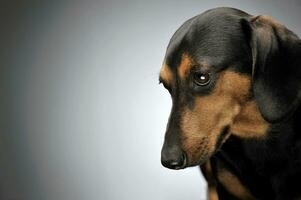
x: 222, y: 138
x: 225, y: 132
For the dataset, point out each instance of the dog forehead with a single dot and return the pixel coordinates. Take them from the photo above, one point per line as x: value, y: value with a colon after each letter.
x: 213, y: 36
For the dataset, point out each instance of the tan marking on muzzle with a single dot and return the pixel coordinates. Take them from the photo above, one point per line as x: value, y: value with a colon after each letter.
x: 234, y: 186
x: 202, y: 126
x: 166, y: 74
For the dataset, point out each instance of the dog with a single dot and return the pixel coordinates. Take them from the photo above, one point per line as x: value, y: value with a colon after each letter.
x: 235, y: 82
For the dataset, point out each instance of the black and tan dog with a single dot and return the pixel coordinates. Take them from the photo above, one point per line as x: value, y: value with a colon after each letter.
x: 235, y: 83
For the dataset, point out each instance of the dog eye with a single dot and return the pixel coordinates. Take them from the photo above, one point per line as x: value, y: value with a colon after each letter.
x: 201, y: 78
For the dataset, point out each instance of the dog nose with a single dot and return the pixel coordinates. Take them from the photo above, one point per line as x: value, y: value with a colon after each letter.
x: 173, y: 159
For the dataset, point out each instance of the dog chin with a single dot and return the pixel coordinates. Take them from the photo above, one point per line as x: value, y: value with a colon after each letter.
x: 194, y: 164
x: 202, y: 160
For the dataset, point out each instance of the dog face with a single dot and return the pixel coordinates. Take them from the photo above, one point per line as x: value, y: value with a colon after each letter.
x: 208, y: 70
x: 208, y: 77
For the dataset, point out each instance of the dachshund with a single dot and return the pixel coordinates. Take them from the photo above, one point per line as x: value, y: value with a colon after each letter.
x: 235, y: 84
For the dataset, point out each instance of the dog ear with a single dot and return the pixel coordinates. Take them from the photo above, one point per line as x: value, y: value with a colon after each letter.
x: 276, y: 70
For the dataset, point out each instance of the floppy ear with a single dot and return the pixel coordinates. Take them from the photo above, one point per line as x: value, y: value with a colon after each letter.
x: 276, y: 72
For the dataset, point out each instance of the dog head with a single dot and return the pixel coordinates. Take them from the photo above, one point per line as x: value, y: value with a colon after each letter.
x: 228, y: 73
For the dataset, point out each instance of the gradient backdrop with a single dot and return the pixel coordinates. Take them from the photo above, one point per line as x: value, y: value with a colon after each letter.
x: 82, y: 114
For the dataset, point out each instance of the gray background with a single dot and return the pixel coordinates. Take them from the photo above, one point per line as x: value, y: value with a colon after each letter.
x: 82, y: 114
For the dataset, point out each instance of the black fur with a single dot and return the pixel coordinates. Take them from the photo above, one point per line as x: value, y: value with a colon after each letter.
x: 276, y: 64
x: 229, y: 38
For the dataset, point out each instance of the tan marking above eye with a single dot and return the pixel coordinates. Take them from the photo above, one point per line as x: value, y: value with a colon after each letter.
x: 185, y: 66
x: 166, y: 74
x: 187, y: 63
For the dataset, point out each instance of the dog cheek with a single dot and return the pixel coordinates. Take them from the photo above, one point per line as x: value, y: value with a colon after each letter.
x: 198, y: 149
x: 202, y: 126
x: 196, y: 133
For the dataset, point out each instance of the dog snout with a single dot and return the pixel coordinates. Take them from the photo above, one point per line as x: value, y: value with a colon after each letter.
x: 173, y: 158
